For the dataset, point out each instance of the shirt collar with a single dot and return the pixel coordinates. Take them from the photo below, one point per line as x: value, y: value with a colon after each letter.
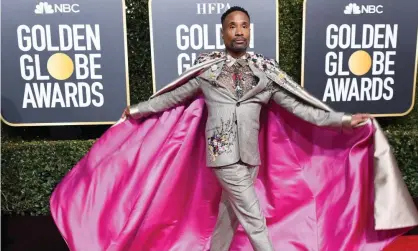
x: 231, y: 60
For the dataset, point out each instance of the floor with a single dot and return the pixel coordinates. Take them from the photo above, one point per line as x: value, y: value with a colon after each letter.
x: 39, y: 233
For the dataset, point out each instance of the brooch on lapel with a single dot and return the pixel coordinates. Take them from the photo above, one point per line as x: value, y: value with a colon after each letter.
x: 213, y: 69
x: 212, y: 75
x: 212, y: 80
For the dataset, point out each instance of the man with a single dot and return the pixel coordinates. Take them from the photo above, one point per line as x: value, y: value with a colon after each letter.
x: 234, y: 94
x: 145, y: 183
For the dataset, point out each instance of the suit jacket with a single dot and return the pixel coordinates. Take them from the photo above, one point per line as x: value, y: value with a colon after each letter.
x: 233, y: 123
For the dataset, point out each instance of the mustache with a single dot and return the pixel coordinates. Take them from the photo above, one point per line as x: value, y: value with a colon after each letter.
x: 239, y: 39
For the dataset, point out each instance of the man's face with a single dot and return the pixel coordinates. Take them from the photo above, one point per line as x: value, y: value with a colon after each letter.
x: 236, y: 32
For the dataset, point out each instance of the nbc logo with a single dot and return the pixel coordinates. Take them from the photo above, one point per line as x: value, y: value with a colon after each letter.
x: 46, y: 8
x: 354, y: 9
x: 43, y: 8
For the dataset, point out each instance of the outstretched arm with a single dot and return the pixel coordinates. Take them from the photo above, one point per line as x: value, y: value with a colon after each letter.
x: 301, y: 108
x: 308, y: 112
x: 164, y: 101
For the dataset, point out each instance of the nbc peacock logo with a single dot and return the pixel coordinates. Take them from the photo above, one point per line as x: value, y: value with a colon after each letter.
x: 355, y: 9
x: 43, y: 8
x: 352, y: 8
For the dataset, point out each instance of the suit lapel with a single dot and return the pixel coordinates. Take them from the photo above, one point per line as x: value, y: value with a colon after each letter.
x: 213, y: 72
x: 261, y: 85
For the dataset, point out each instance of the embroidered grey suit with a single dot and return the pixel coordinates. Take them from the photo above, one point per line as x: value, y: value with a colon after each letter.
x: 233, y: 123
x: 231, y: 135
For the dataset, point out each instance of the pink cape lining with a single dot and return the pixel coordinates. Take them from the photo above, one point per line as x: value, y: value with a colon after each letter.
x: 144, y: 185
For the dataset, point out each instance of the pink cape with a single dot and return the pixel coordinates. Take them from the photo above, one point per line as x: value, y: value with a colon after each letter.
x: 144, y: 185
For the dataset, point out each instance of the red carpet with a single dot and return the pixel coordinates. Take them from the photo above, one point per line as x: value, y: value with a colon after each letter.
x: 33, y: 233
x: 404, y: 243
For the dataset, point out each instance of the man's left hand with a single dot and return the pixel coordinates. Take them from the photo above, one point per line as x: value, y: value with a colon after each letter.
x: 359, y: 118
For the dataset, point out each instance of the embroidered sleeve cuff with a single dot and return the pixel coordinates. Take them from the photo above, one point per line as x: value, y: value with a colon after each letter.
x: 346, y: 120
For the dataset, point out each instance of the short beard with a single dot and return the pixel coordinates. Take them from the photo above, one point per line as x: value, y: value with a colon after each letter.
x: 236, y: 49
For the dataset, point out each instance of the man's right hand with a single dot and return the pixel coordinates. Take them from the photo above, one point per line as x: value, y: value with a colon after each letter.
x: 359, y: 118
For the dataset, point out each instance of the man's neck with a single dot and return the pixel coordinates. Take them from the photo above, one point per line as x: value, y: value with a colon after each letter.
x: 236, y: 54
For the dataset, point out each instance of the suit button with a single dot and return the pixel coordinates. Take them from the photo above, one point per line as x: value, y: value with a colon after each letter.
x: 238, y: 104
x: 236, y: 122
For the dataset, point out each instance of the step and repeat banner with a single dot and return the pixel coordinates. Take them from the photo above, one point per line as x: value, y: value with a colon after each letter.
x: 182, y: 29
x: 361, y: 56
x: 63, y: 62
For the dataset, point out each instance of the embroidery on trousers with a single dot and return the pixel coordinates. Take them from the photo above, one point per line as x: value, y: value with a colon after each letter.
x: 222, y: 139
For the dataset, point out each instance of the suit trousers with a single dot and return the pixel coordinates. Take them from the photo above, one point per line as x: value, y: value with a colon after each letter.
x: 239, y: 204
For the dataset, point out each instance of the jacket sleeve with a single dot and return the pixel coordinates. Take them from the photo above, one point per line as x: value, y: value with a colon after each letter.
x: 306, y: 111
x: 166, y: 100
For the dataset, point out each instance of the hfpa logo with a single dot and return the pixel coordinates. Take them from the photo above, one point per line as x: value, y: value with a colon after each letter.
x: 212, y: 8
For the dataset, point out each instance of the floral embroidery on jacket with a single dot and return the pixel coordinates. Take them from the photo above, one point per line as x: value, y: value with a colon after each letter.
x: 259, y: 61
x: 269, y: 66
x: 223, y: 137
x: 205, y: 56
